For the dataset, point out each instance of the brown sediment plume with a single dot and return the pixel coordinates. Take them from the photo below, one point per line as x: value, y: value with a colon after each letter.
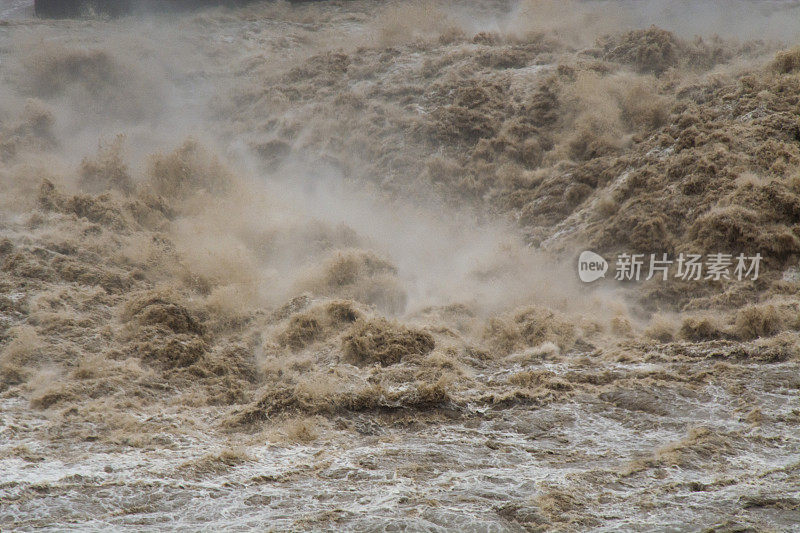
x: 318, y: 323
x: 700, y: 328
x: 380, y: 341
x: 358, y: 275
x: 529, y: 328
x: 190, y: 168
x: 108, y: 170
x: 159, y: 310
x: 22, y: 348
x: 787, y: 61
x: 765, y: 320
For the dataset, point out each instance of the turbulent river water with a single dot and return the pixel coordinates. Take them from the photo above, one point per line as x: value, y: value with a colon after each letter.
x: 312, y: 266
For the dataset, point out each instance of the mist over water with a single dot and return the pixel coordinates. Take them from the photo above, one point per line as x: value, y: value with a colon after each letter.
x: 313, y: 266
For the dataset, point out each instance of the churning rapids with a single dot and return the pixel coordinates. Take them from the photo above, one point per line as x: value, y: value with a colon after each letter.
x: 312, y: 266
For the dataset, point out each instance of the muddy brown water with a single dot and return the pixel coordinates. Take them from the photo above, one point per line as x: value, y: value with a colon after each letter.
x: 285, y: 298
